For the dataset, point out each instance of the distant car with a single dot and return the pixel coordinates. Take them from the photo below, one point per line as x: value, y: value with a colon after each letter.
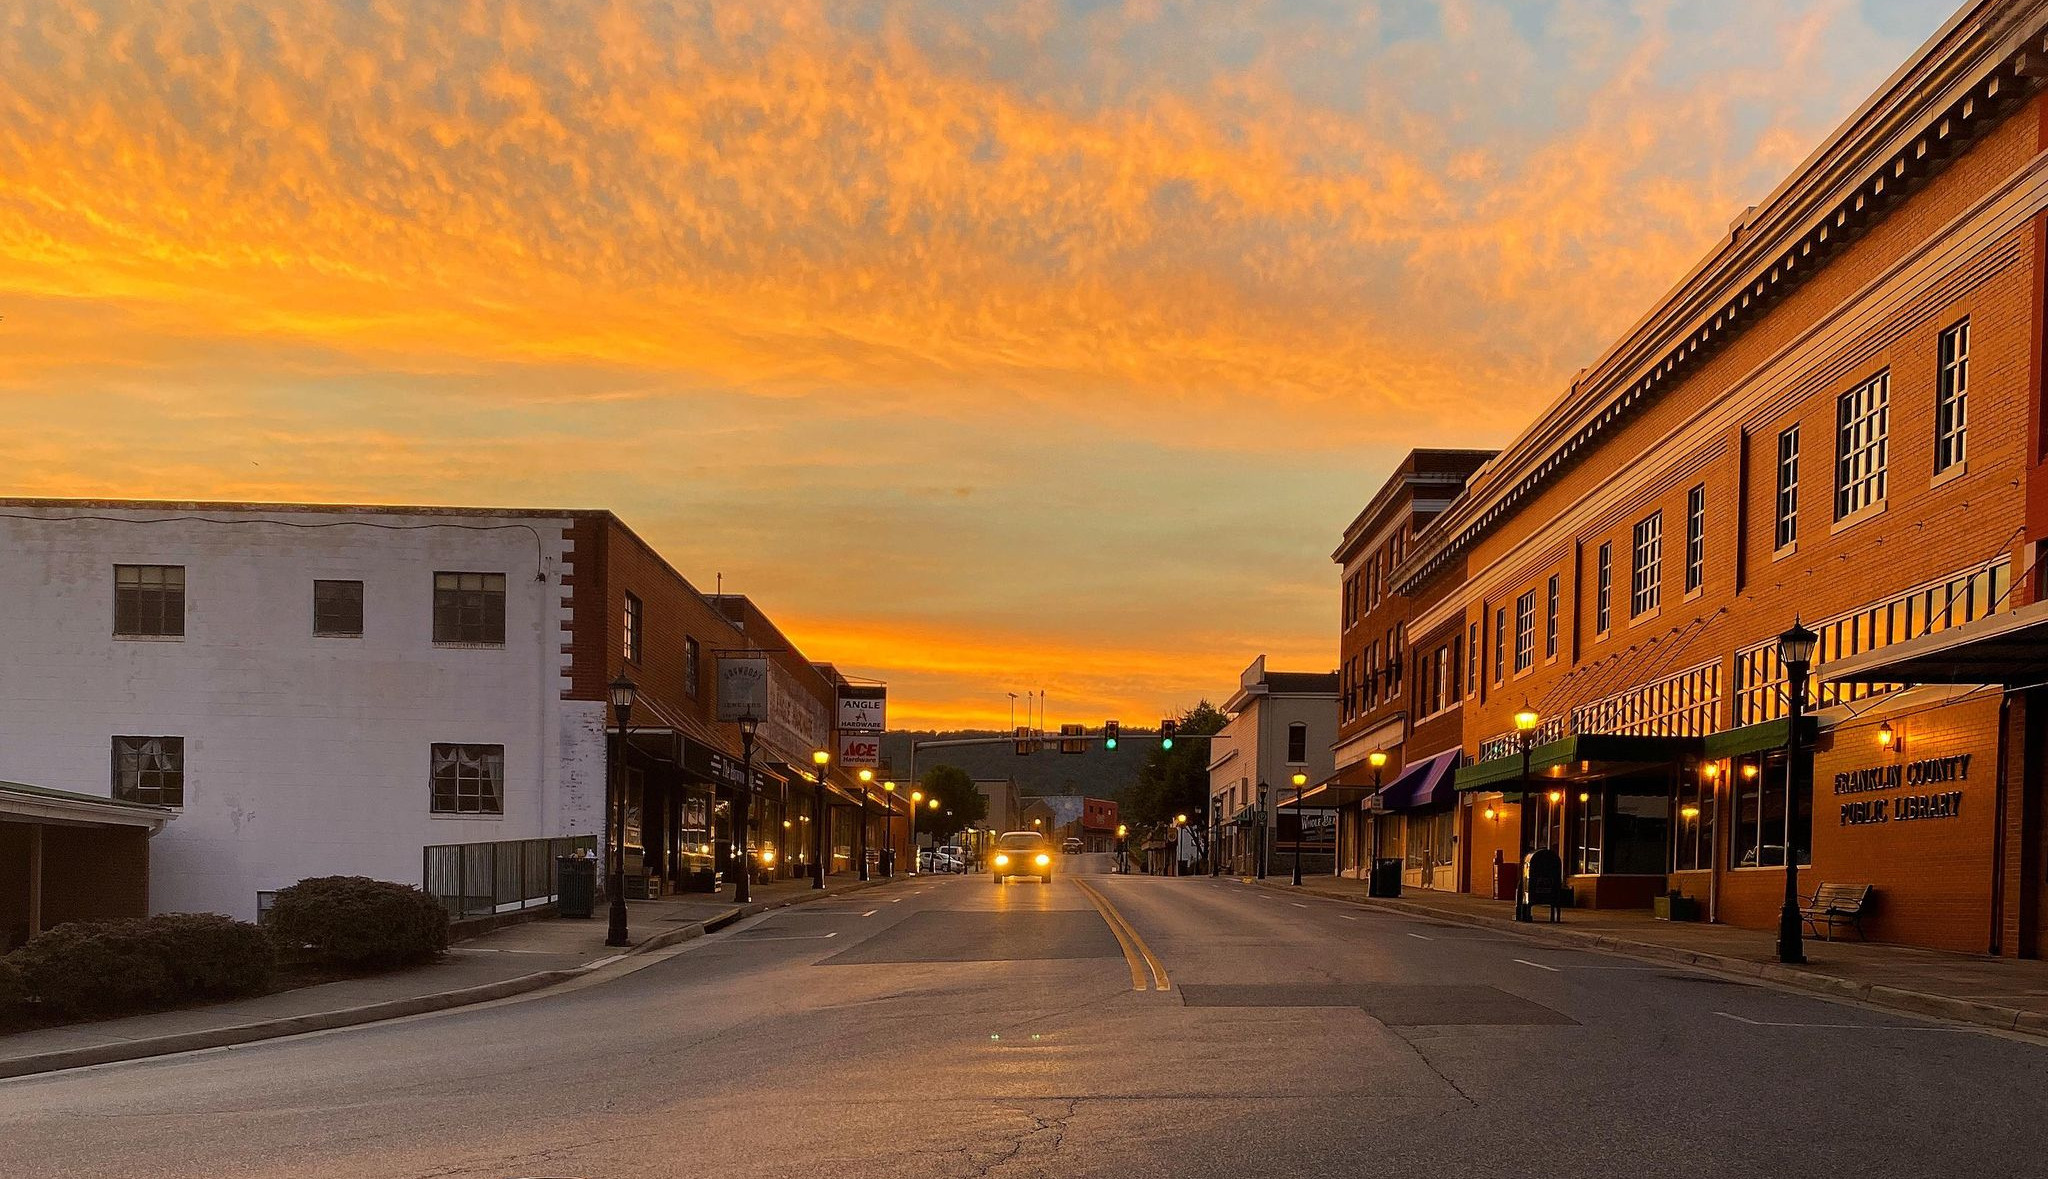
x: 950, y: 857
x: 1072, y: 846
x: 1022, y: 853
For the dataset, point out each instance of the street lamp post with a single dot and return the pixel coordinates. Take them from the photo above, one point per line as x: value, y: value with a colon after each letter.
x: 1378, y: 760
x: 1526, y: 721
x: 742, y: 891
x: 622, y: 691
x: 889, y: 852
x: 916, y: 800
x: 1795, y: 653
x: 1300, y: 780
x: 861, y: 829
x: 820, y: 759
x: 1259, y: 850
x: 1180, y: 826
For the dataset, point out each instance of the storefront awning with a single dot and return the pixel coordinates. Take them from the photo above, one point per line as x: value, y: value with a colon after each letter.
x: 1325, y: 795
x: 2009, y: 649
x: 21, y: 803
x: 1756, y: 738
x: 1579, y: 757
x: 1425, y: 783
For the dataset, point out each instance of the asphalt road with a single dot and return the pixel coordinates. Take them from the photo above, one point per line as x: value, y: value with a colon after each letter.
x: 950, y: 1027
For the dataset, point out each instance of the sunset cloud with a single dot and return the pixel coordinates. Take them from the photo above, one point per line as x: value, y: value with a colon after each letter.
x: 1089, y: 308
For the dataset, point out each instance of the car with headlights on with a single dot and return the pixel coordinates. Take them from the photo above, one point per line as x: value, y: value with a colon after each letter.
x: 1022, y: 853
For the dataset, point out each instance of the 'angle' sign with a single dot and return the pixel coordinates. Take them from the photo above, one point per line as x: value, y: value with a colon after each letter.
x: 861, y: 708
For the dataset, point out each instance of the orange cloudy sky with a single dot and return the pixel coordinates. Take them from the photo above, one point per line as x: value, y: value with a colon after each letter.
x: 992, y: 347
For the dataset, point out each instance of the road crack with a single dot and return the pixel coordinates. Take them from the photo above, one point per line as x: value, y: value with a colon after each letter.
x: 1043, y: 1138
x: 1431, y: 1066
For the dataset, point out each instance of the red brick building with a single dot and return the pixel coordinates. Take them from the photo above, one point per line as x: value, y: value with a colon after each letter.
x: 1835, y: 417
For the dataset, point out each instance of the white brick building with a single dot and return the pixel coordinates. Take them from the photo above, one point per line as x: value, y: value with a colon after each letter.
x: 313, y: 690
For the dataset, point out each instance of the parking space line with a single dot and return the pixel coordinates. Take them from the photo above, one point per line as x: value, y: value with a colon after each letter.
x: 1423, y: 936
x: 1347, y: 916
x: 1539, y: 965
x: 1850, y: 1027
x: 1297, y: 904
x: 870, y: 912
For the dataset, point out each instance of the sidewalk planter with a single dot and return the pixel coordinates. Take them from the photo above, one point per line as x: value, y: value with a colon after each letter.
x: 1675, y: 907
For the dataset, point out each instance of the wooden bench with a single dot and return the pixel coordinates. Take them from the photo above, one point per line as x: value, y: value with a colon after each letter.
x: 1836, y: 904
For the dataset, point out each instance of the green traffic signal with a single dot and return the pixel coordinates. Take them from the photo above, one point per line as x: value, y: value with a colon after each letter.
x: 1166, y: 743
x: 1109, y: 743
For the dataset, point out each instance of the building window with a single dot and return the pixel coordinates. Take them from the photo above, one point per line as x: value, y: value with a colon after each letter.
x: 1695, y: 538
x: 1692, y: 822
x: 338, y: 608
x: 633, y: 624
x: 1550, y: 619
x: 1500, y: 644
x: 1683, y: 704
x: 1297, y: 744
x: 149, y: 601
x: 1764, y: 824
x: 1952, y: 399
x: 1441, y: 690
x: 1584, y: 831
x: 469, y: 779
x: 1603, y: 595
x: 150, y: 769
x: 1525, y: 632
x: 692, y: 666
x: 1647, y: 569
x: 1472, y: 656
x: 1455, y: 663
x: 1861, y: 417
x: 469, y: 608
x: 1788, y: 486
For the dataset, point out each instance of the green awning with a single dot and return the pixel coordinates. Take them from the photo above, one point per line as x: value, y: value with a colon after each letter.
x: 1757, y: 738
x: 1609, y: 750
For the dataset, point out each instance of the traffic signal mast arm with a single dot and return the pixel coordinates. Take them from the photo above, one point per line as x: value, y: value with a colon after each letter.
x: 1038, y: 737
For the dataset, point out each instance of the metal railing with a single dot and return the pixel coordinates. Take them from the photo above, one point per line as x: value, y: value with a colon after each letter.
x: 473, y: 879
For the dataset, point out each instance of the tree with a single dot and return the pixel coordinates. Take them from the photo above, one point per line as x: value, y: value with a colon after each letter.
x: 954, y: 788
x: 1176, y: 781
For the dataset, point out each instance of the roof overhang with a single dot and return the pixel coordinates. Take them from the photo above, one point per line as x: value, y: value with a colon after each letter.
x: 21, y: 803
x: 2009, y: 649
x: 1580, y: 757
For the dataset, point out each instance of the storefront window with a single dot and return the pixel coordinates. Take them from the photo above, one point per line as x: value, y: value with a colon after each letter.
x: 1638, y: 833
x: 1692, y: 820
x: 1765, y: 825
x: 1585, y: 829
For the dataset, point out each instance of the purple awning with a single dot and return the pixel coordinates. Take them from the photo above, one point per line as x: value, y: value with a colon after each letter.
x: 1424, y: 783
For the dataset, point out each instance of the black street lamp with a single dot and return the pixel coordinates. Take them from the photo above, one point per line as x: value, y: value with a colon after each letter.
x: 1259, y: 850
x: 889, y: 837
x: 1378, y: 760
x: 1300, y: 780
x: 820, y: 759
x: 1795, y: 654
x: 622, y: 692
x: 742, y: 890
x: 916, y: 800
x: 861, y: 833
x: 1526, y: 721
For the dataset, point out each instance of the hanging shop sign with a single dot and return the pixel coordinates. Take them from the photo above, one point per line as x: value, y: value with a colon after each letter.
x: 745, y: 688
x: 860, y: 749
x: 861, y: 708
x: 1905, y: 808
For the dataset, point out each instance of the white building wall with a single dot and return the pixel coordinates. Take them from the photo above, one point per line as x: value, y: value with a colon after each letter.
x: 304, y: 756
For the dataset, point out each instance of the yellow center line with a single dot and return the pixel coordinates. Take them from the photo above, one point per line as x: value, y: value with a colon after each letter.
x: 1131, y: 958
x: 1127, y: 936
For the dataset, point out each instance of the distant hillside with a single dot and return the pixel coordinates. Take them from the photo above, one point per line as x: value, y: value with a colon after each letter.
x: 1097, y: 772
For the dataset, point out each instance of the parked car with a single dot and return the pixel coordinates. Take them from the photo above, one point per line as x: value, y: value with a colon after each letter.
x: 1072, y: 846
x: 950, y: 857
x: 1022, y: 853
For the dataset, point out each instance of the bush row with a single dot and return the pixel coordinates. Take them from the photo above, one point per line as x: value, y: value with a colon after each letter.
x: 138, y: 964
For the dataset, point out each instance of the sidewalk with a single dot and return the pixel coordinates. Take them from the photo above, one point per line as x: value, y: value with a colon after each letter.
x: 509, y: 960
x: 1995, y: 992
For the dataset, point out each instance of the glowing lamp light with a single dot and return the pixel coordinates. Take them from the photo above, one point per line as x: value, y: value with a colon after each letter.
x: 767, y: 855
x: 934, y: 804
x: 820, y: 758
x: 889, y: 786
x: 1300, y: 779
x: 1526, y: 719
x: 1377, y: 758
x: 1491, y: 814
x: 1556, y: 796
x: 1585, y: 797
x: 1689, y: 812
x: 866, y: 776
x: 785, y: 822
x: 1886, y: 735
x: 1180, y: 818
x: 1712, y: 770
x: 1749, y: 770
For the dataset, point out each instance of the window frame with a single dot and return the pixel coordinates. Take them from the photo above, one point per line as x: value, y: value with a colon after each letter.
x: 1646, y: 566
x: 1550, y: 608
x: 1696, y: 538
x: 454, y: 611
x: 1603, y: 594
x: 1862, y: 446
x: 1297, y: 755
x: 459, y: 811
x: 1500, y: 644
x: 136, y: 794
x: 329, y: 630
x: 161, y: 599
x: 1952, y: 397
x: 1525, y: 632
x: 693, y: 664
x: 633, y: 625
x: 1786, y: 533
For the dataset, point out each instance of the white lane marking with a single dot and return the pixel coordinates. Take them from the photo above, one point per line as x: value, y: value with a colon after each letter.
x: 870, y: 912
x: 796, y: 937
x: 1423, y: 936
x: 1850, y: 1027
x: 1297, y: 904
x: 1538, y: 965
x: 602, y: 961
x: 1347, y: 916
x: 897, y: 901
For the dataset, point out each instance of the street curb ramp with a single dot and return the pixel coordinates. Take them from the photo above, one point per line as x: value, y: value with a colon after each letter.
x: 320, y: 1021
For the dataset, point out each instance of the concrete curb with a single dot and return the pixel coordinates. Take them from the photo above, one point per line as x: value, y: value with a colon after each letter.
x: 320, y: 1021
x: 1989, y: 1015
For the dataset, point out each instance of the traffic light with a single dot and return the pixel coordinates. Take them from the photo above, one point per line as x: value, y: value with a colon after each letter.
x: 1022, y: 735
x: 1111, y: 730
x: 1166, y: 728
x: 1075, y: 746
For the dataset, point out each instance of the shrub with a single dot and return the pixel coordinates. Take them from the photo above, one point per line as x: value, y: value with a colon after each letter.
x: 358, y: 923
x: 90, y: 968
x: 12, y: 992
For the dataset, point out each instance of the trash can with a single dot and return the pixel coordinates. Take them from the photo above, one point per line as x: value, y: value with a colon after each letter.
x: 576, y: 887
x: 1507, y: 878
x: 1386, y: 877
